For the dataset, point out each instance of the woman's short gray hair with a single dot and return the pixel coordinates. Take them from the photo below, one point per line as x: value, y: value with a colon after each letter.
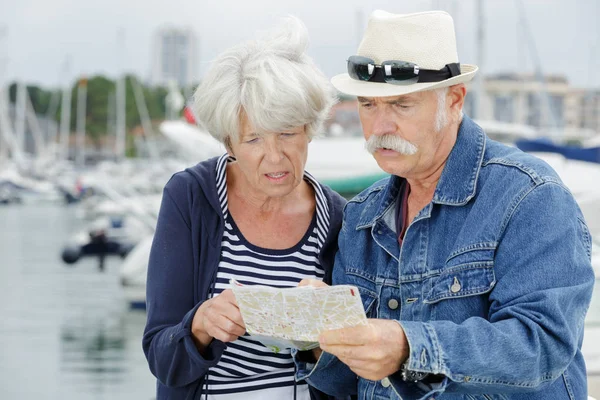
x: 272, y: 81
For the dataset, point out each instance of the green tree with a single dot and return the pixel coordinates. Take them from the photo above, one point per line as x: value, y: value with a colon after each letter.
x: 99, y: 90
x: 40, y: 98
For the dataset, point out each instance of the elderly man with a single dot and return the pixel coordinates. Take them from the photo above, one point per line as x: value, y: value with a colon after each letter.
x: 472, y: 259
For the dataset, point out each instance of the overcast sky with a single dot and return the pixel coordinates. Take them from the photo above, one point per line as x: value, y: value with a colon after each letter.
x: 36, y: 36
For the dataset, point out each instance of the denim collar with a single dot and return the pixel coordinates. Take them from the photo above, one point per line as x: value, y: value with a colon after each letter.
x: 457, y: 184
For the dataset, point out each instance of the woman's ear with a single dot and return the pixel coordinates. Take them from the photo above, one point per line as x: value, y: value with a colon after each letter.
x: 306, y: 132
x: 227, y: 144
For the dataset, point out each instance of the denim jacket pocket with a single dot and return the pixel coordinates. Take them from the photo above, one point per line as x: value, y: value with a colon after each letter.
x: 458, y: 290
x: 462, y: 281
x: 469, y: 271
x: 367, y: 288
x: 369, y: 299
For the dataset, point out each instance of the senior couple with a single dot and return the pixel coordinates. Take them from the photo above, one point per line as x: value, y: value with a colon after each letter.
x: 472, y: 259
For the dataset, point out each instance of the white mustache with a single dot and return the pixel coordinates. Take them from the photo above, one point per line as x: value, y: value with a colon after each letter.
x: 391, y: 142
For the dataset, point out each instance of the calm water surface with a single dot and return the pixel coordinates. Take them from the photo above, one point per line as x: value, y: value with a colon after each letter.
x: 65, y: 332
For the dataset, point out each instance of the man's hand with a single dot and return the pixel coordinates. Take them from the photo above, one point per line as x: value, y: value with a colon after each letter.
x: 372, y: 351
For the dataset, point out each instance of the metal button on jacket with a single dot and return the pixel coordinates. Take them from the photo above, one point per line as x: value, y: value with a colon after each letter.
x: 385, y: 382
x: 393, y: 304
x: 455, y: 288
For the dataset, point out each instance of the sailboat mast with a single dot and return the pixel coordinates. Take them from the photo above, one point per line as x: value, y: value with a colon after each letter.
x: 545, y: 97
x: 478, y: 81
x: 81, y: 114
x: 65, y: 122
x: 20, y: 109
x: 65, y: 114
x: 10, y: 145
x: 120, y: 128
x: 34, y: 127
x: 51, y: 126
x: 360, y: 25
x: 145, y: 117
x: 6, y: 127
x: 3, y: 61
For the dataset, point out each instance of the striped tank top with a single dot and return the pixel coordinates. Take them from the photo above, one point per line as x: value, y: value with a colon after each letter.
x: 248, y: 370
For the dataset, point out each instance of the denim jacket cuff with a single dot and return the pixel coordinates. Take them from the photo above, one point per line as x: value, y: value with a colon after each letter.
x: 418, y: 390
x: 424, y: 356
x: 305, y: 369
x: 425, y: 353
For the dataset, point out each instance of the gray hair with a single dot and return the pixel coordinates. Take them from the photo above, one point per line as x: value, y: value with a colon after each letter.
x: 269, y: 80
x: 441, y: 116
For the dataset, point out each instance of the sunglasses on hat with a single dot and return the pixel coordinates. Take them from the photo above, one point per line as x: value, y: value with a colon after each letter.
x: 397, y: 72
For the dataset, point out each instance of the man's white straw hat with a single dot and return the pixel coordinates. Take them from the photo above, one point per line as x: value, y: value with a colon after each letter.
x: 426, y: 39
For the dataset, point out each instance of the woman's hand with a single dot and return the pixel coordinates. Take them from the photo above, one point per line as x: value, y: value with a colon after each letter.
x: 218, y: 318
x: 312, y: 282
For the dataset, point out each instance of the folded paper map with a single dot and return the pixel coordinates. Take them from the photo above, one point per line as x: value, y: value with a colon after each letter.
x: 294, y: 317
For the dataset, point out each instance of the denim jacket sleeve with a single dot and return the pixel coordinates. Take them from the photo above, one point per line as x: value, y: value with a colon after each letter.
x: 172, y: 355
x: 543, y: 288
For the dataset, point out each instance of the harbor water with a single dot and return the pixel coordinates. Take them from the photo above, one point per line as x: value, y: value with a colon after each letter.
x: 65, y: 331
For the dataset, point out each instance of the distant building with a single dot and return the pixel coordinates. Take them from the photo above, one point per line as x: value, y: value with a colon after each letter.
x: 522, y: 99
x: 174, y: 57
x: 585, y: 109
x: 550, y: 106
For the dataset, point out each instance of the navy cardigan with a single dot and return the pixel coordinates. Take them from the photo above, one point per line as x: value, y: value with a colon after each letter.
x: 183, y: 264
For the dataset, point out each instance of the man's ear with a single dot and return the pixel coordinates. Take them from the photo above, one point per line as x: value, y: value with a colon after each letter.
x: 456, y: 97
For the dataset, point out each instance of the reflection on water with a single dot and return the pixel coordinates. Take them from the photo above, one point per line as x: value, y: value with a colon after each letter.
x: 66, y: 332
x: 92, y: 352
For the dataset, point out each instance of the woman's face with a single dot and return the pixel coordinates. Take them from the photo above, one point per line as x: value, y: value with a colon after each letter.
x: 272, y: 164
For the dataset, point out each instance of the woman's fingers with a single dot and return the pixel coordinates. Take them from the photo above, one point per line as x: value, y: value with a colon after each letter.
x: 219, y: 318
x: 223, y: 314
x: 228, y: 296
x: 218, y: 322
x: 223, y: 336
x: 226, y: 305
x: 312, y: 282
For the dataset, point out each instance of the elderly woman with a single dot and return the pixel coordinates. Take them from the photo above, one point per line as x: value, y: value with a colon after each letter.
x: 252, y: 214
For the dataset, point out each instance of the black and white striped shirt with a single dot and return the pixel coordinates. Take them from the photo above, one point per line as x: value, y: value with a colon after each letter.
x: 247, y: 368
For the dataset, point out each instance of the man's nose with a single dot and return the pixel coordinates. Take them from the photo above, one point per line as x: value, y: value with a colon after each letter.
x: 383, y: 124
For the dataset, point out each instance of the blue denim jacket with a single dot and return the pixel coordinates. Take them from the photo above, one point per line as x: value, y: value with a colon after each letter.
x: 491, y: 285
